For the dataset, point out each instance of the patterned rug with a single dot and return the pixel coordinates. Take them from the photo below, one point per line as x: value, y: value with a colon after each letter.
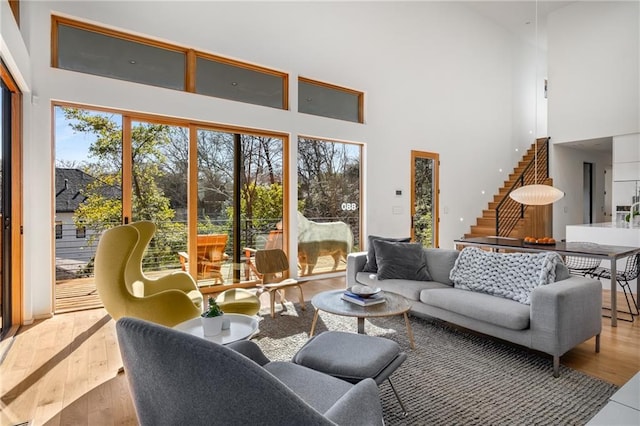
x: 455, y: 377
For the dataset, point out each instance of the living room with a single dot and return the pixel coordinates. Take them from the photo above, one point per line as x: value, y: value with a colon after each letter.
x: 436, y: 76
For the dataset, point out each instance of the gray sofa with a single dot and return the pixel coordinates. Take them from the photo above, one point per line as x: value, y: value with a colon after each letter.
x: 561, y: 315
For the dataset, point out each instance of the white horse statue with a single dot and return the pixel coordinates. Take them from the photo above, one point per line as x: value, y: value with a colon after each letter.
x: 315, y: 239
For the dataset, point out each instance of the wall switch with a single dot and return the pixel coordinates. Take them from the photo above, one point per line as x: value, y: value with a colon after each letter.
x: 398, y: 192
x: 396, y: 209
x: 446, y: 210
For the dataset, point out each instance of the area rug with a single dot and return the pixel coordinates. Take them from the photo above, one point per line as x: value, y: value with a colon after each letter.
x: 454, y: 377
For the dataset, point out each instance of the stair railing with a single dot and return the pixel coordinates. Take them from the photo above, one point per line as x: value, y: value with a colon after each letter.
x: 508, y: 211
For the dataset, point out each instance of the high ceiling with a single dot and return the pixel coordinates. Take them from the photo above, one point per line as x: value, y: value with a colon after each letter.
x: 519, y: 17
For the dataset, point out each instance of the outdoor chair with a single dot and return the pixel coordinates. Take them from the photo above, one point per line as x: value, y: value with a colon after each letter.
x: 272, y: 266
x: 271, y: 241
x: 631, y: 271
x: 232, y: 385
x: 210, y: 257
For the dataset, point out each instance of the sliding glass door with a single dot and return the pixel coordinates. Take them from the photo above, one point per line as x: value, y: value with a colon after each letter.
x: 10, y: 204
x: 215, y: 195
x: 5, y: 208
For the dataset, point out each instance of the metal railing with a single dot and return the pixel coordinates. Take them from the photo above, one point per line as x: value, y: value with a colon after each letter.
x: 508, y: 211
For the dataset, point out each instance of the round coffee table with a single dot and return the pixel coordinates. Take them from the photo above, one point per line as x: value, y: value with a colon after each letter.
x: 331, y: 301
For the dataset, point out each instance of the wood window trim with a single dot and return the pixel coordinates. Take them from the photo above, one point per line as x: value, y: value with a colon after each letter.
x: 128, y: 117
x: 252, y: 67
x: 357, y: 93
x: 435, y: 157
x: 14, y: 5
x: 172, y: 121
x: 17, y: 293
x: 360, y: 146
x: 191, y: 55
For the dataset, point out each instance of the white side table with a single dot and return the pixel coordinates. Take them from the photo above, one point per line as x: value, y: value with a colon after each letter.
x: 241, y: 327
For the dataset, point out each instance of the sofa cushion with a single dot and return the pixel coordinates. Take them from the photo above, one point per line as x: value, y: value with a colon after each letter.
x: 401, y: 261
x: 406, y: 288
x: 440, y: 262
x: 509, y: 275
x: 562, y: 272
x: 372, y: 265
x: 479, y: 306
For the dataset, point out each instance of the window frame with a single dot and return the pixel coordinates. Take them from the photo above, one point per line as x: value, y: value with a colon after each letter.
x: 359, y: 94
x: 191, y: 55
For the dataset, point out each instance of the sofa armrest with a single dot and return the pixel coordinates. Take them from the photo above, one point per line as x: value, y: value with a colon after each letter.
x: 565, y: 314
x: 355, y: 264
x: 359, y: 406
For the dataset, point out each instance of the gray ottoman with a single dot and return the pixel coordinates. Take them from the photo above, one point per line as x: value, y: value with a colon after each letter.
x: 353, y: 357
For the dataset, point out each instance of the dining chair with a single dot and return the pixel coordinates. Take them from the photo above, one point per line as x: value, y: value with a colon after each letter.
x: 580, y: 265
x: 630, y: 273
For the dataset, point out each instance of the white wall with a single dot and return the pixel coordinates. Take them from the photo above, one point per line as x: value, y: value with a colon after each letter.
x: 594, y: 89
x: 594, y: 59
x: 436, y: 77
x: 569, y: 210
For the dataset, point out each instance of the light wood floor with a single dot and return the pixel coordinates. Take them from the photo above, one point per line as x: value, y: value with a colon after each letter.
x: 62, y: 371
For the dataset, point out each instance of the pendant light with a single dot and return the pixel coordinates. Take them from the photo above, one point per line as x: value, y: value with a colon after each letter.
x: 536, y: 194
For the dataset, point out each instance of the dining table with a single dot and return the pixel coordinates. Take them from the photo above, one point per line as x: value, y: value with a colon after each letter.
x: 563, y: 248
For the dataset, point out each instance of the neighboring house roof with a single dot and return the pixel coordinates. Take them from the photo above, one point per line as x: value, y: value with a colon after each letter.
x: 71, y: 187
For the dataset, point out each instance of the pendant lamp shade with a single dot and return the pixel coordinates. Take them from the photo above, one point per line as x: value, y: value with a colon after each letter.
x: 536, y: 195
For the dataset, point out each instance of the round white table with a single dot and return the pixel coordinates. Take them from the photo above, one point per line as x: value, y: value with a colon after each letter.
x: 241, y: 327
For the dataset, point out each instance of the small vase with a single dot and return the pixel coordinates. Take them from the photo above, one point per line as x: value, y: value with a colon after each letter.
x: 212, y: 326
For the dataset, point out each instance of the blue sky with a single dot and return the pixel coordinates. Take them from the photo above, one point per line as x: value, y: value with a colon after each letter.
x: 70, y: 145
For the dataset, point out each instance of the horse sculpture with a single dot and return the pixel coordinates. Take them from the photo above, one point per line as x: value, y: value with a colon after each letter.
x: 315, y: 239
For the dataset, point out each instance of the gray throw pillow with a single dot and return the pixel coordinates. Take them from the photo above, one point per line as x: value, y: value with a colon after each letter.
x: 372, y: 265
x: 401, y: 261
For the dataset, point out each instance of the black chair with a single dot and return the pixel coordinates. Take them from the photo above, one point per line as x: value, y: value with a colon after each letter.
x: 631, y: 271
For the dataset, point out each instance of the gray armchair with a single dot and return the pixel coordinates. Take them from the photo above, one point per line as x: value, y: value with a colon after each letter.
x: 177, y: 378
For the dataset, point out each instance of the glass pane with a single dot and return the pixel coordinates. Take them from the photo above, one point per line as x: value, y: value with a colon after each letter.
x: 329, y: 204
x: 88, y: 182
x: 424, y: 220
x: 328, y: 102
x: 215, y: 206
x: 238, y: 84
x: 94, y: 53
x: 159, y: 192
x: 4, y: 94
x: 255, y: 205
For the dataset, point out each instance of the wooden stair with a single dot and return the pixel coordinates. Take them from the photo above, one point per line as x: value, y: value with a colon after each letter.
x: 536, y: 220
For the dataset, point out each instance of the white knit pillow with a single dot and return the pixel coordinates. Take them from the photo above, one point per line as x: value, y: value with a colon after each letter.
x: 508, y: 275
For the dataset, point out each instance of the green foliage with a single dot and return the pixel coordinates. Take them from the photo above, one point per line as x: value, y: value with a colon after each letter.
x: 213, y: 309
x: 102, y: 207
x: 423, y: 227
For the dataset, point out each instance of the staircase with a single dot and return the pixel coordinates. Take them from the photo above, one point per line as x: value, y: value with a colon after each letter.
x: 505, y: 217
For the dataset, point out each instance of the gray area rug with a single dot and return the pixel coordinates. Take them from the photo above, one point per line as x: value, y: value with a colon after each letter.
x: 455, y: 377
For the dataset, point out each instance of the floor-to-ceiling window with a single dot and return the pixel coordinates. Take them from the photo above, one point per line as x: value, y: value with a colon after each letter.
x: 213, y: 194
x: 329, y: 199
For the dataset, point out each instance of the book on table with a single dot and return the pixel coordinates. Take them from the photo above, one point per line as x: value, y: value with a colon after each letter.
x: 363, y: 301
